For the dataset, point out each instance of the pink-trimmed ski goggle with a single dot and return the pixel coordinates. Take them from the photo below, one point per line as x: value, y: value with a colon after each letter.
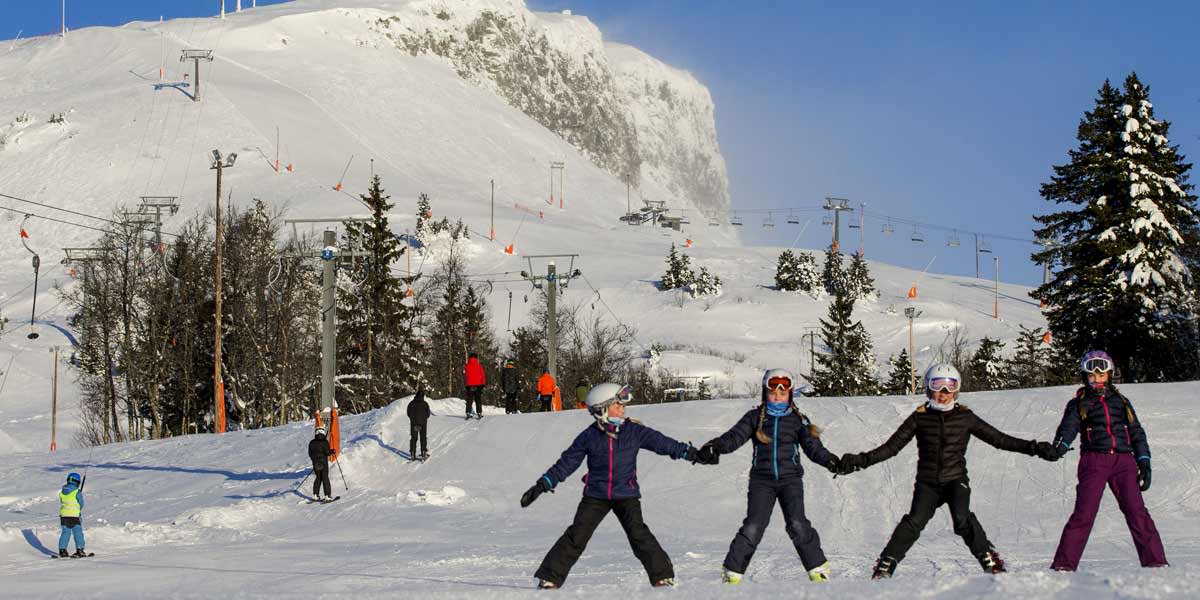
x: 943, y: 384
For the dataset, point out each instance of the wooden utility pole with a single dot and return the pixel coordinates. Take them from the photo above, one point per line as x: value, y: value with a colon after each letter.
x: 54, y: 403
x: 996, y: 303
x: 492, y: 229
x: 219, y: 166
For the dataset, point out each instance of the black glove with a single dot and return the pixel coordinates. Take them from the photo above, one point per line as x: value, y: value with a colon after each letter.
x: 835, y: 465
x: 851, y: 463
x: 531, y: 494
x: 1046, y: 451
x: 1144, y: 474
x: 708, y: 455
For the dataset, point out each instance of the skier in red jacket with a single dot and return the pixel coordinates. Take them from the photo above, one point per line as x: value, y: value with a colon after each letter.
x: 475, y: 379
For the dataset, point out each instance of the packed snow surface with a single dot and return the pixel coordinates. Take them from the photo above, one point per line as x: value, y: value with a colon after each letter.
x: 206, y: 515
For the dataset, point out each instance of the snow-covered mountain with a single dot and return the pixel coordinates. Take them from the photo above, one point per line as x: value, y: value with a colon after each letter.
x: 205, y: 516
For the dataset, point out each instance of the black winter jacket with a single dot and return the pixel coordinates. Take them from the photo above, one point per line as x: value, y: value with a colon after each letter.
x: 510, y: 381
x: 319, y: 451
x: 418, y: 410
x: 942, y: 438
x: 1110, y: 425
x: 790, y: 435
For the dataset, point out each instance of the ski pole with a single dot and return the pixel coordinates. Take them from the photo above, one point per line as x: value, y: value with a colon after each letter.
x: 343, y: 474
x: 86, y: 467
x: 301, y: 484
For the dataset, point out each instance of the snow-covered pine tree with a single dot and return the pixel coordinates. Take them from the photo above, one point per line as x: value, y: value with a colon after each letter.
x: 847, y: 370
x: 807, y: 274
x: 833, y: 276
x: 858, y: 279
x: 706, y: 284
x: 1029, y: 365
x: 1127, y: 242
x: 986, y: 370
x: 679, y: 271
x: 900, y: 377
x: 787, y: 272
x: 424, y: 214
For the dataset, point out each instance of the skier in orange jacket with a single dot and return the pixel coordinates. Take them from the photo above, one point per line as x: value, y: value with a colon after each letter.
x: 545, y: 389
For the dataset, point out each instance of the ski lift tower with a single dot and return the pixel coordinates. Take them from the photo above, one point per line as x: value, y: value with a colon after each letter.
x: 156, y: 205
x: 837, y: 205
x: 550, y: 284
x: 196, y: 56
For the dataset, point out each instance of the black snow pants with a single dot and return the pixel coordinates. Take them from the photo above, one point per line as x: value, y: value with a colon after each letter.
x: 417, y: 430
x: 591, y: 511
x: 475, y: 394
x: 321, y: 478
x: 760, y: 503
x: 510, y: 403
x: 546, y: 402
x: 927, y: 497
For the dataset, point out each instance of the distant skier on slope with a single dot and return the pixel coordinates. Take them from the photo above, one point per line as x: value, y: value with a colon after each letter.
x: 418, y: 421
x: 319, y: 451
x: 610, y: 446
x: 1114, y: 452
x: 475, y: 379
x: 779, y: 432
x: 545, y: 389
x: 942, y: 428
x: 70, y: 516
x: 510, y: 382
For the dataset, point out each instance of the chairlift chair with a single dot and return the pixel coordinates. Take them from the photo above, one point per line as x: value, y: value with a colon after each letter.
x: 985, y: 247
x: 854, y: 225
x: 953, y: 241
x: 736, y: 220
x: 916, y: 235
x: 827, y: 220
x: 793, y: 219
x: 768, y: 223
x: 713, y: 222
x: 683, y: 220
x: 887, y: 228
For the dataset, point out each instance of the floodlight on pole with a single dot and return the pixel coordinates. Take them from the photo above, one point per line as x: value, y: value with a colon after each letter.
x: 218, y: 384
x: 911, y: 313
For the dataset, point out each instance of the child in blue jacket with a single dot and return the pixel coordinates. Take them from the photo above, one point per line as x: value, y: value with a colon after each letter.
x: 70, y: 509
x: 779, y: 432
x: 611, y: 446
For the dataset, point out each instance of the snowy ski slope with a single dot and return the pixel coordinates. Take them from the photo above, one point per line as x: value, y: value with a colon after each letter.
x: 200, y: 516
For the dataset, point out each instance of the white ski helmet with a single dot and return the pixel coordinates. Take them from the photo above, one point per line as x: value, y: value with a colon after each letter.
x: 941, y: 376
x: 320, y: 430
x: 602, y: 395
x: 778, y: 376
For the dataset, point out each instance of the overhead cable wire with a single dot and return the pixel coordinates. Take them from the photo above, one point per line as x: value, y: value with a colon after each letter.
x: 73, y: 212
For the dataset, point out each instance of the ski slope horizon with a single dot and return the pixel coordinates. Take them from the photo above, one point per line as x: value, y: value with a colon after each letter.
x: 201, y: 515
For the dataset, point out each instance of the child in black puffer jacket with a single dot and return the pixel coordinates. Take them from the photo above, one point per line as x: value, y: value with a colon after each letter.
x: 779, y: 432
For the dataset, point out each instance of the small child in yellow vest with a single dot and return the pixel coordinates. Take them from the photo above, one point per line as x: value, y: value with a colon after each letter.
x: 70, y: 509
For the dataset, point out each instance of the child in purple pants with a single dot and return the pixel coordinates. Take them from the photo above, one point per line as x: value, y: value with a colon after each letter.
x: 1114, y: 452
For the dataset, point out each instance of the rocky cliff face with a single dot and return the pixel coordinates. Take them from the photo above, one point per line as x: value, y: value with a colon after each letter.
x: 629, y: 113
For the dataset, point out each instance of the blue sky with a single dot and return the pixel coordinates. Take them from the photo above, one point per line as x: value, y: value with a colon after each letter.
x: 941, y: 112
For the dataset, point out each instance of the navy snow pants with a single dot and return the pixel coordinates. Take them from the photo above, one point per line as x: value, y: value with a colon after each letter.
x: 760, y: 503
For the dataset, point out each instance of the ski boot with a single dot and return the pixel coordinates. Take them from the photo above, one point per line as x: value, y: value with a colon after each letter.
x: 79, y: 553
x: 667, y: 582
x: 884, y: 568
x: 546, y: 585
x: 731, y: 577
x: 820, y: 573
x: 991, y: 563
x: 62, y: 553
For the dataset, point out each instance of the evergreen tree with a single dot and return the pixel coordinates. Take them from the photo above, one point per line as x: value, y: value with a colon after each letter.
x: 1030, y: 363
x: 847, y: 369
x: 679, y: 271
x: 787, y: 272
x: 1126, y: 243
x: 706, y: 284
x: 527, y: 350
x: 986, y: 370
x: 809, y: 278
x: 833, y: 276
x: 424, y: 214
x: 374, y: 324
x: 901, y: 376
x: 858, y: 279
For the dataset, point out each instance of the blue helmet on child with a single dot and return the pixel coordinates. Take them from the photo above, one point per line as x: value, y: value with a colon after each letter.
x: 74, y: 478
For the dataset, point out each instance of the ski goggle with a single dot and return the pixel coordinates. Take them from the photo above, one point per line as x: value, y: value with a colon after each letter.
x: 779, y: 383
x: 943, y: 384
x: 623, y: 396
x: 1097, y: 365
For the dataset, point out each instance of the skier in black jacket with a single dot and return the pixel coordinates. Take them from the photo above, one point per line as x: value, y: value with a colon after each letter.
x: 942, y: 428
x: 510, y: 382
x: 319, y: 451
x: 418, y: 419
x: 779, y: 432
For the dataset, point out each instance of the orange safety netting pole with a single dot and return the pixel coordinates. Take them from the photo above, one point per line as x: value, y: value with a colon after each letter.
x: 334, y: 435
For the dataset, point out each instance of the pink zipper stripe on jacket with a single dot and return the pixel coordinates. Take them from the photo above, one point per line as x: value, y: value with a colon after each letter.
x: 1108, y: 423
x: 610, y: 467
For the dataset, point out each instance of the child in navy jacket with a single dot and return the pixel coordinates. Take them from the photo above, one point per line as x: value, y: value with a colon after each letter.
x: 610, y: 446
x: 779, y: 432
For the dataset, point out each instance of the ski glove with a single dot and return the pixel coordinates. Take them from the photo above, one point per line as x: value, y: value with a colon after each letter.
x: 1046, y: 451
x: 542, y: 486
x: 851, y: 463
x: 708, y: 455
x: 1144, y: 474
x: 835, y: 465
